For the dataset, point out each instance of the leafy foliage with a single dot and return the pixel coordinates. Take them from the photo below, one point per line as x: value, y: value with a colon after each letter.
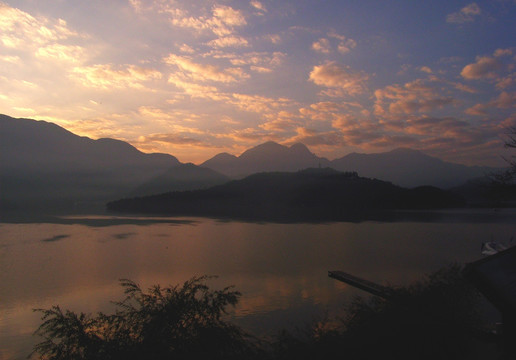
x: 172, y: 322
x: 436, y: 318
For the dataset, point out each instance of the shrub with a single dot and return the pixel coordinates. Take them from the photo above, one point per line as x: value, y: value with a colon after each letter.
x: 163, y: 323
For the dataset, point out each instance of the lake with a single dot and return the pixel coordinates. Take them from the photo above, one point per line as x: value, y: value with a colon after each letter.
x: 280, y: 269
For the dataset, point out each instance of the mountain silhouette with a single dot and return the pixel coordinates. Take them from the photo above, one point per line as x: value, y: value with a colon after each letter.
x: 311, y: 194
x: 43, y: 166
x: 269, y: 156
x: 181, y: 177
x: 404, y: 167
x: 409, y: 168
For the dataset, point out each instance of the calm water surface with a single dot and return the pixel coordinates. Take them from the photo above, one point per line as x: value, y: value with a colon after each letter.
x: 281, y: 269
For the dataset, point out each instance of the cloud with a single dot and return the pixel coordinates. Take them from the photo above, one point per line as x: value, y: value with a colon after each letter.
x: 506, y: 82
x: 313, y: 137
x: 196, y: 90
x: 273, y: 38
x: 108, y: 76
x: 205, y: 72
x: 20, y: 30
x: 260, y: 69
x: 339, y: 77
x: 484, y: 68
x: 346, y: 46
x: 279, y: 125
x: 505, y: 100
x: 477, y: 110
x: 257, y: 103
x: 168, y: 117
x: 467, y: 14
x: 322, y: 45
x: 228, y: 15
x: 186, y: 49
x: 223, y: 21
x: 10, y: 59
x: 412, y: 97
x: 328, y: 111
x: 345, y: 122
x: 464, y: 88
x: 257, y: 61
x: 502, y: 52
x: 258, y: 6
x: 249, y: 134
x: 175, y: 139
x: 425, y: 69
x: 62, y: 53
x: 448, y: 131
x: 229, y: 41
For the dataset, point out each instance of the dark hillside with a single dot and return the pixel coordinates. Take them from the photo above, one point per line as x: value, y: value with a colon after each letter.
x: 315, y: 194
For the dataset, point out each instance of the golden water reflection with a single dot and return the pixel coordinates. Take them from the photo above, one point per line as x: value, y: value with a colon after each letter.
x: 281, y: 269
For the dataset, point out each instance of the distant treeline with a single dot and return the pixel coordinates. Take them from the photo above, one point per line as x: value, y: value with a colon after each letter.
x: 312, y: 194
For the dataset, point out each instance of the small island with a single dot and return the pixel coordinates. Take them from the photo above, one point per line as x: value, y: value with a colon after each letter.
x: 311, y: 194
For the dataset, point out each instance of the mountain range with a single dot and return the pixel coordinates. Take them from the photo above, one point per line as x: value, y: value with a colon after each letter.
x: 269, y: 156
x: 43, y: 165
x: 404, y: 167
x: 309, y: 195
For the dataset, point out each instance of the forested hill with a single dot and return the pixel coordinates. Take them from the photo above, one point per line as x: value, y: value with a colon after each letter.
x: 316, y: 194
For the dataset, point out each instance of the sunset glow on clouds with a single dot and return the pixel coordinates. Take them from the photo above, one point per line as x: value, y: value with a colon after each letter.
x: 198, y: 78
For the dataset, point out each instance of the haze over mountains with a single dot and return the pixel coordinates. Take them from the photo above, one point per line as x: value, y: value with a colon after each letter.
x: 404, y: 167
x: 269, y: 156
x: 42, y: 163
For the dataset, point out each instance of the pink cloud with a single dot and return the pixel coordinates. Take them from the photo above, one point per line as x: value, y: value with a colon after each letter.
x: 339, y: 77
x: 484, y: 68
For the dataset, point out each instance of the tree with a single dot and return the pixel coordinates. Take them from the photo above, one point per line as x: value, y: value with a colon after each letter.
x: 510, y: 142
x: 180, y: 322
x: 435, y: 318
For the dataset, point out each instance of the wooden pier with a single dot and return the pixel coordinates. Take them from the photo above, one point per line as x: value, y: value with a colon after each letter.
x: 370, y: 287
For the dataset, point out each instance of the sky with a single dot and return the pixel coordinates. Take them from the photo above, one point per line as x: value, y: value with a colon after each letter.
x: 197, y: 78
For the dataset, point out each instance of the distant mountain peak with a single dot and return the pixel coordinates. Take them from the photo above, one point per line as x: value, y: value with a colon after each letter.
x: 269, y: 156
x: 299, y: 147
x: 224, y: 155
x: 404, y: 150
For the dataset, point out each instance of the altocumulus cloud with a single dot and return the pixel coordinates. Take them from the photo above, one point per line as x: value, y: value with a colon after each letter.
x: 467, y: 14
x: 340, y: 78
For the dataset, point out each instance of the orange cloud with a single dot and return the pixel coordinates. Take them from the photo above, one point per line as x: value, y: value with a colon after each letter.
x: 484, y: 68
x: 278, y: 125
x: 105, y: 76
x: 322, y: 45
x: 505, y: 100
x: 205, y: 72
x: 20, y: 30
x: 176, y: 139
x: 413, y: 97
x: 340, y: 78
x: 229, y: 41
x: 256, y: 103
x: 222, y: 22
x: 257, y: 61
x: 258, y: 5
x: 65, y: 53
x: 196, y: 90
